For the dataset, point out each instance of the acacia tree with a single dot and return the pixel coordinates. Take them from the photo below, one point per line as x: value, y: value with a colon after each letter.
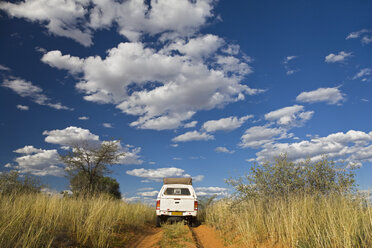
x: 87, y: 164
x: 283, y: 178
x: 79, y: 184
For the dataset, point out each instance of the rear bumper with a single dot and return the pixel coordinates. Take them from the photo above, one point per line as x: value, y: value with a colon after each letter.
x: 170, y: 213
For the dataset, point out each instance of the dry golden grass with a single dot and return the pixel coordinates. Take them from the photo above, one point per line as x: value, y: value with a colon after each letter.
x: 302, y: 221
x: 37, y: 220
x: 175, y: 235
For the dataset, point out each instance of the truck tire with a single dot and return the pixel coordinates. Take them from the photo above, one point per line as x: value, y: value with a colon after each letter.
x: 158, y: 221
x: 193, y: 222
x: 190, y: 221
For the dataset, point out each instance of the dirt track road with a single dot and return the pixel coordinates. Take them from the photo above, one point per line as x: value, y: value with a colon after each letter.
x: 203, y: 237
x: 206, y: 237
x: 147, y: 238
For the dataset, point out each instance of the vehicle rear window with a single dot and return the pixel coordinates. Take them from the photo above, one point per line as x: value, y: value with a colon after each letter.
x: 177, y: 191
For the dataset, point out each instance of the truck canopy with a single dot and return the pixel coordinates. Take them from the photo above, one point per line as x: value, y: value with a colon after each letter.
x: 178, y: 180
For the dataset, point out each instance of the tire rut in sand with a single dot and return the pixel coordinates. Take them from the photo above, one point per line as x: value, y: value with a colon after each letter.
x: 206, y: 237
x: 196, y: 239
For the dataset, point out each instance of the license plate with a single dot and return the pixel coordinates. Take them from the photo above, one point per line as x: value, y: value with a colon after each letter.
x: 177, y: 213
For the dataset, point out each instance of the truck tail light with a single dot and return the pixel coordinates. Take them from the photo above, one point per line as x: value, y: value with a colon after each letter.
x: 196, y: 205
x: 158, y: 205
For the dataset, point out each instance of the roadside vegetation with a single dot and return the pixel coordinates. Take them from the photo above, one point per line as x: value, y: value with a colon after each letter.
x: 284, y: 204
x: 93, y: 216
x: 38, y: 220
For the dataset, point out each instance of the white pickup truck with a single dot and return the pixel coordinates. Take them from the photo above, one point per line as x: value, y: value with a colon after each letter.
x: 176, y: 201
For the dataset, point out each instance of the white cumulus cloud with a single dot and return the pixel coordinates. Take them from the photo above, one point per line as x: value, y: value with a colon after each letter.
x: 134, y: 17
x: 357, y: 34
x: 197, y: 178
x: 148, y: 193
x: 28, y: 150
x: 145, y: 189
x: 352, y: 146
x: 197, y: 48
x: 22, y: 107
x: 290, y: 116
x: 367, y: 39
x: 289, y: 58
x: 70, y: 136
x: 231, y: 49
x: 223, y: 150
x: 225, y: 124
x: 207, y: 191
x: 131, y: 155
x: 190, y: 124
x: 169, y: 87
x: 66, y: 62
x: 60, y: 17
x: 192, y: 136
x: 363, y: 73
x: 38, y: 162
x: 4, y: 68
x: 364, y: 33
x: 27, y: 89
x: 231, y: 64
x: 257, y: 136
x: 160, y: 173
x: 340, y: 57
x: 79, y: 19
x: 328, y: 95
x: 107, y: 125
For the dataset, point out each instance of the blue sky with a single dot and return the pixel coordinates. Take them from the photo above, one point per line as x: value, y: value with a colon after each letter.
x: 191, y: 88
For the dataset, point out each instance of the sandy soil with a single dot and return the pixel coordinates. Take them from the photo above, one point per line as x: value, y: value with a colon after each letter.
x: 147, y: 238
x: 207, y: 237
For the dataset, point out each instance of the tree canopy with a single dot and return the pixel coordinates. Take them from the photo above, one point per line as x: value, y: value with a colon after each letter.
x: 284, y: 177
x: 79, y: 184
x: 87, y: 166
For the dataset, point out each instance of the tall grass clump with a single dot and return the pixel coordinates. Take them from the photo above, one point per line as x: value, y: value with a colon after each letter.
x: 203, y: 205
x: 298, y: 221
x: 294, y: 205
x: 37, y: 220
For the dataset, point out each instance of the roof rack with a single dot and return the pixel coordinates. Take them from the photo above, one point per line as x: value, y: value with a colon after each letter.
x: 177, y: 180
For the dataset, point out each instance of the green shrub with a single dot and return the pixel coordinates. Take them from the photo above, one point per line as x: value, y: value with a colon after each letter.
x: 284, y: 178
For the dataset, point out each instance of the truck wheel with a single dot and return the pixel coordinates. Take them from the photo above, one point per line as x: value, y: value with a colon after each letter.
x: 190, y: 222
x: 158, y: 221
x: 194, y: 222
